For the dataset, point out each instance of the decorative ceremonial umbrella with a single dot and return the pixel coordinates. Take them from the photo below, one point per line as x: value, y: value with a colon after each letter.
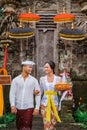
x: 63, y: 17
x: 71, y: 34
x: 28, y: 17
x: 21, y: 33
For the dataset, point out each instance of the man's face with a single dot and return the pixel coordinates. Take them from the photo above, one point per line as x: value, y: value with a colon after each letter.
x: 27, y: 69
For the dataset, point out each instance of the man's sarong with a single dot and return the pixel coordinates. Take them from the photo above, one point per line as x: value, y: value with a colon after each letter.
x: 24, y: 119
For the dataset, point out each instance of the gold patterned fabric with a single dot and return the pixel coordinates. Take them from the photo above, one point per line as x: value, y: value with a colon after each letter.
x: 48, y: 125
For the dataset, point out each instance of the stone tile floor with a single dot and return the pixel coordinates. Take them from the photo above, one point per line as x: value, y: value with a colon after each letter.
x: 68, y: 124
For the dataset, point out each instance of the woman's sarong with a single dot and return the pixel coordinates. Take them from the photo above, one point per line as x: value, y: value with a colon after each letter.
x: 48, y: 125
x: 24, y: 119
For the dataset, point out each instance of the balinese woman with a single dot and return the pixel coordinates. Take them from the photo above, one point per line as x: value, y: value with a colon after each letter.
x: 49, y: 100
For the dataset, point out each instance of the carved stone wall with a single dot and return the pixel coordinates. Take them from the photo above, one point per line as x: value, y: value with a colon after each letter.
x: 46, y: 45
x: 46, y: 36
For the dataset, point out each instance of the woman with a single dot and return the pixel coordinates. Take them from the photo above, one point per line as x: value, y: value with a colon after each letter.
x: 49, y: 101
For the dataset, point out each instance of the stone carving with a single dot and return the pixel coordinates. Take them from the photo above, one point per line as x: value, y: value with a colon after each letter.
x: 44, y: 3
x: 83, y: 4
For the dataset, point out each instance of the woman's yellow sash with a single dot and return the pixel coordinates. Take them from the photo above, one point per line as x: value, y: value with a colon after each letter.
x: 50, y: 104
x: 2, y: 71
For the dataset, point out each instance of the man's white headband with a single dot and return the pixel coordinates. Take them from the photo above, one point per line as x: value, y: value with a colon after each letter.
x: 27, y: 63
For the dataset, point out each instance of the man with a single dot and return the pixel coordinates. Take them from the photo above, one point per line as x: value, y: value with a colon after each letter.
x: 22, y: 91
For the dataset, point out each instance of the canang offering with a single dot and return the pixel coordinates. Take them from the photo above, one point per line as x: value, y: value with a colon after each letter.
x: 62, y: 86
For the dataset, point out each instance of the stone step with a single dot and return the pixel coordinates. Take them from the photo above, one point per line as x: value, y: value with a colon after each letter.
x: 38, y: 124
x: 66, y: 120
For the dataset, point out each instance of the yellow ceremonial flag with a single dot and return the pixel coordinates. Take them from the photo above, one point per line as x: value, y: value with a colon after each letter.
x: 1, y: 100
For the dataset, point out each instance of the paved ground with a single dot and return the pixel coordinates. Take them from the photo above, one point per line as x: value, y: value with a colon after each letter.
x: 62, y: 126
x: 68, y: 124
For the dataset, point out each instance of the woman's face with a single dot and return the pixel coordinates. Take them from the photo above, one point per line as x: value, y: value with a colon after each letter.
x: 47, y: 68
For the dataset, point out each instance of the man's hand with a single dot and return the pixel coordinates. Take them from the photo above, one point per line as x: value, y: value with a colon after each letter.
x: 36, y: 92
x: 35, y: 112
x: 13, y: 110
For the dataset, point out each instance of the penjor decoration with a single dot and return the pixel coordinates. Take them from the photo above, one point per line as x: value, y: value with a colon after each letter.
x: 4, y: 72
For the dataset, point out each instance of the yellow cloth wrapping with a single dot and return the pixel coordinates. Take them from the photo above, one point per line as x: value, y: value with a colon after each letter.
x: 2, y: 71
x: 50, y: 104
x: 1, y: 101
